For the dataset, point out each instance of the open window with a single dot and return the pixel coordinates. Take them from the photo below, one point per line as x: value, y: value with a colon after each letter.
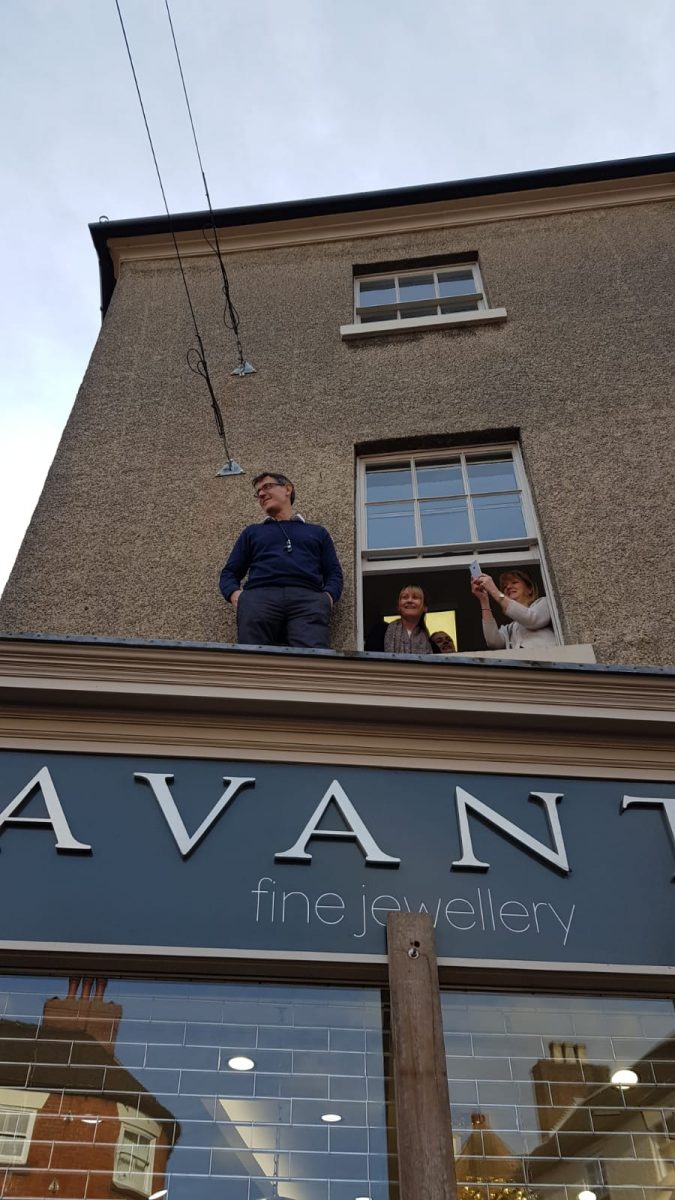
x: 422, y: 518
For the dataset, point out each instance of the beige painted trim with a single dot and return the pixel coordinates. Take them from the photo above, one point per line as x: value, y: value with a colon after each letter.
x: 242, y: 682
x: 483, y: 316
x: 424, y: 748
x: 415, y: 218
x: 434, y: 715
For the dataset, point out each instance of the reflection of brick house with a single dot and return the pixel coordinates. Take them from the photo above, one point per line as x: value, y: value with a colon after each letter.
x: 73, y: 1121
x: 609, y: 1137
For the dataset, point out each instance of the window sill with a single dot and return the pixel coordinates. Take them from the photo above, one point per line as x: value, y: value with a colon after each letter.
x: 580, y: 652
x: 484, y: 316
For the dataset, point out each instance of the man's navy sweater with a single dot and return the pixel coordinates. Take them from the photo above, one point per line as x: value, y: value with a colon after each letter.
x: 261, y: 550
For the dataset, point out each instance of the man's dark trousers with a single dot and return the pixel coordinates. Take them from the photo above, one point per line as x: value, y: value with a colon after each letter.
x: 283, y: 616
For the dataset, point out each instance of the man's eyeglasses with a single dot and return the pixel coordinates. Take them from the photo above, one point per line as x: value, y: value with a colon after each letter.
x: 266, y: 487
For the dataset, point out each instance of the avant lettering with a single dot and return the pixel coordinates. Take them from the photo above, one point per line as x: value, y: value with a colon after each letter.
x: 187, y: 843
x: 43, y: 782
x: 552, y: 854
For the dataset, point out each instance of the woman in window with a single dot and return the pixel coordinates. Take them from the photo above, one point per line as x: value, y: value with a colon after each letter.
x: 519, y: 599
x: 409, y: 634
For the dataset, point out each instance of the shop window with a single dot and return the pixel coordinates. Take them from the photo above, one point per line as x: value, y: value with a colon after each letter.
x: 16, y: 1129
x: 535, y: 1113
x: 424, y: 517
x: 134, y: 1155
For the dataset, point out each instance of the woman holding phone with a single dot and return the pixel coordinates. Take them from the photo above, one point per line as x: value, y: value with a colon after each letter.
x: 519, y: 599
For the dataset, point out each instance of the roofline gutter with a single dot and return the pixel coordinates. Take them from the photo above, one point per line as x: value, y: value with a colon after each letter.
x: 103, y: 231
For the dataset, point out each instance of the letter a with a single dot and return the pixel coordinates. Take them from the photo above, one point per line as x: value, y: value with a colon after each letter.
x: 556, y: 857
x: 357, y: 831
x: 160, y: 787
x: 65, y: 842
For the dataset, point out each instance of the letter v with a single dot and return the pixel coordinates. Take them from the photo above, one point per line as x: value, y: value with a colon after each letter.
x: 186, y: 843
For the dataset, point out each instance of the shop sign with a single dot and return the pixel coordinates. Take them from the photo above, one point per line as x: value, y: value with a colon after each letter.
x: 220, y: 858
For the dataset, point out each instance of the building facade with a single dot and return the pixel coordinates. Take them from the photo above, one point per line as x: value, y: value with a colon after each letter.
x: 340, y: 925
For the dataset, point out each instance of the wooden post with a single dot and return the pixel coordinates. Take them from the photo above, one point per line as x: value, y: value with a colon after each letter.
x: 424, y: 1131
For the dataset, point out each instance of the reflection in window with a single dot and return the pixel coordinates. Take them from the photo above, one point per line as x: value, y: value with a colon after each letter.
x: 535, y: 1113
x: 478, y: 499
x: 139, y: 1091
x: 15, y: 1134
x: 133, y: 1160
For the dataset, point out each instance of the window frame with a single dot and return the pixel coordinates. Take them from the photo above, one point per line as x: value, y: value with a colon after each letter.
x: 30, y: 1114
x: 402, y: 310
x: 502, y: 552
x: 125, y: 1180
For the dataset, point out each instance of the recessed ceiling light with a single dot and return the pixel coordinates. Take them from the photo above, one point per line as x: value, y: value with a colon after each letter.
x: 158, y: 1195
x: 624, y: 1079
x: 241, y: 1063
x: 331, y: 1118
x: 586, y: 1195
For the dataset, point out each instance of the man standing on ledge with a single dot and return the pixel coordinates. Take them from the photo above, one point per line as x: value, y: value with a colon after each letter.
x: 294, y: 577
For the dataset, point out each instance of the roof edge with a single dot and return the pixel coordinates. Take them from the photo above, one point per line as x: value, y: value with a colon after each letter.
x: 427, y: 193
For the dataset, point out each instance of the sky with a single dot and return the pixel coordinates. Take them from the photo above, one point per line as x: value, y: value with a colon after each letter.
x: 291, y: 98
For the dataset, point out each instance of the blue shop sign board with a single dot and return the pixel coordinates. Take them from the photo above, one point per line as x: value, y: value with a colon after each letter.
x: 220, y: 858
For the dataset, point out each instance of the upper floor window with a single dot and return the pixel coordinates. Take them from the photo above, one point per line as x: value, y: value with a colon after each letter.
x: 15, y: 1133
x: 454, y: 501
x: 424, y: 516
x: 428, y: 293
x: 134, y: 1157
x: 419, y: 294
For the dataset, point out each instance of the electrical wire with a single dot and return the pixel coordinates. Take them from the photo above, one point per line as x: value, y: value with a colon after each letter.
x: 230, y: 314
x: 196, y: 355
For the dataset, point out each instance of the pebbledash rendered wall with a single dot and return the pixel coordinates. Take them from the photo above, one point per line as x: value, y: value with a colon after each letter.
x: 133, y: 525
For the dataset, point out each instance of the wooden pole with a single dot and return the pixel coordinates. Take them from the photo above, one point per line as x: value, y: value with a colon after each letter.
x: 424, y: 1131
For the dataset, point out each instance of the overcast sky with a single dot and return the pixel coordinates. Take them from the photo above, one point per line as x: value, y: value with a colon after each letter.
x: 291, y: 98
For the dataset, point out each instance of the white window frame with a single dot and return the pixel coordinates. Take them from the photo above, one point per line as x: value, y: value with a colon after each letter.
x: 407, y: 308
x: 402, y: 314
x: 21, y: 1156
x: 499, y: 553
x: 127, y: 1179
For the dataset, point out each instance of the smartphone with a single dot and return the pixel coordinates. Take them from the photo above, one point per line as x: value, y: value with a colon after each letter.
x: 474, y: 568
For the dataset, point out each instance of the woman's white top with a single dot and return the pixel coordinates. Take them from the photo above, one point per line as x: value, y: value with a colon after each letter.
x: 528, y: 626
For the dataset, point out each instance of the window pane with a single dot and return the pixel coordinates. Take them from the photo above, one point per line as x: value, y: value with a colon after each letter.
x: 455, y: 283
x: 444, y: 521
x: 391, y: 525
x: 395, y: 484
x: 416, y: 287
x: 219, y: 1134
x: 377, y: 291
x: 497, y: 475
x: 422, y: 311
x: 460, y: 306
x: 440, y: 479
x: 369, y: 319
x: 499, y: 517
x: 534, y: 1112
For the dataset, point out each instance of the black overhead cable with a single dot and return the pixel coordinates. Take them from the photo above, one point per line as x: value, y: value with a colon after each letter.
x: 196, y: 358
x: 230, y: 315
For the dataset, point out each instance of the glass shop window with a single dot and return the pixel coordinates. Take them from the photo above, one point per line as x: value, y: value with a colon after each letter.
x: 560, y: 1097
x: 196, y: 1091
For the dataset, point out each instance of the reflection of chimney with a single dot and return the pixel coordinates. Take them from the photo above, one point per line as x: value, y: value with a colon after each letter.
x: 93, y: 1015
x: 481, y: 1144
x: 563, y: 1080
